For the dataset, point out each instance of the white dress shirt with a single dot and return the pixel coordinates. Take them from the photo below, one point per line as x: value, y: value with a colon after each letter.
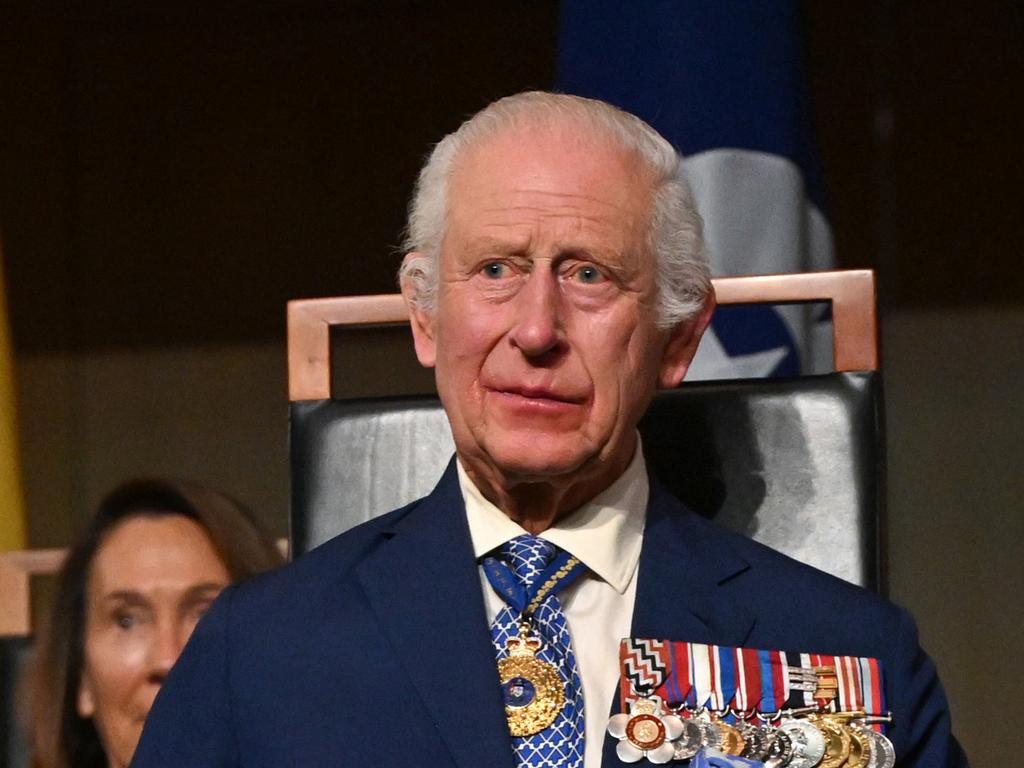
x: 605, y: 535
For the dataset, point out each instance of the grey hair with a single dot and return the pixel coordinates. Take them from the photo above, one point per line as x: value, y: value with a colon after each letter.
x: 676, y: 230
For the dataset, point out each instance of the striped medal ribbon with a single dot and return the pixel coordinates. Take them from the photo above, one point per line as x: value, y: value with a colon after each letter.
x: 729, y: 680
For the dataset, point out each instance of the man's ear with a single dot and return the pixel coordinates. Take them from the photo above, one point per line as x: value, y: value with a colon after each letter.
x: 85, y: 703
x: 682, y: 345
x: 421, y: 321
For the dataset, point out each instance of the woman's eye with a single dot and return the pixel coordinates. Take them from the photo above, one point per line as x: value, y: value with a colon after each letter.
x: 494, y: 270
x: 126, y: 620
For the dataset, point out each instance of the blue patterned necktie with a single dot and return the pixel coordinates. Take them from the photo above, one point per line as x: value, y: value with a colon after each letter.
x: 560, y: 745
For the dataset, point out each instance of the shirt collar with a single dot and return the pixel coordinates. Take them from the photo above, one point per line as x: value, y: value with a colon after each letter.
x: 605, y: 534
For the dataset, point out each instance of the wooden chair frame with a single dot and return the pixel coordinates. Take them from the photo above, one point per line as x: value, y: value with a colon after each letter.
x: 851, y: 293
x: 16, y: 572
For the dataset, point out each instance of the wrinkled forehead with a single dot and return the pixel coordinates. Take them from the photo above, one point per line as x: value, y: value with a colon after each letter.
x: 553, y: 162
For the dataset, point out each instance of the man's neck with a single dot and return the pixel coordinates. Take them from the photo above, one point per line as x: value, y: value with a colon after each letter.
x: 536, y: 505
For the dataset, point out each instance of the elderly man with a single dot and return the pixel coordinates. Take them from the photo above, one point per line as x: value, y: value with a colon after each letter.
x: 555, y: 280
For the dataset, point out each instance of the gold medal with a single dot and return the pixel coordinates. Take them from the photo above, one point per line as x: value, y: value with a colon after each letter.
x: 732, y: 740
x: 860, y: 748
x: 863, y: 748
x: 533, y: 689
x: 837, y: 742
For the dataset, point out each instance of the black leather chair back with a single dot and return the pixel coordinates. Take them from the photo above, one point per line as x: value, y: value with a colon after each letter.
x: 15, y: 653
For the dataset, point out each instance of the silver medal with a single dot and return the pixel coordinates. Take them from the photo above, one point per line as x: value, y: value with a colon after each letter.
x: 780, y: 749
x: 710, y: 736
x: 755, y: 740
x: 808, y: 743
x: 883, y: 754
x: 689, y: 743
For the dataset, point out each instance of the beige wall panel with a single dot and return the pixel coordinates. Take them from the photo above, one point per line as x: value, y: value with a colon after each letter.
x: 47, y: 408
x: 214, y: 414
x: 956, y: 485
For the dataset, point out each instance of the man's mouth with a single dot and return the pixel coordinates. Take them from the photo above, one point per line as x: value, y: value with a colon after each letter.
x: 539, y: 394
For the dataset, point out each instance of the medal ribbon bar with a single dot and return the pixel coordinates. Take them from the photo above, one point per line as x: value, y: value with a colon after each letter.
x: 645, y: 664
x: 729, y: 680
x: 678, y: 688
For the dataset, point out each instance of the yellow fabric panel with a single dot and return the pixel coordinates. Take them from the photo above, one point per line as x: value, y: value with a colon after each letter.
x: 12, y: 511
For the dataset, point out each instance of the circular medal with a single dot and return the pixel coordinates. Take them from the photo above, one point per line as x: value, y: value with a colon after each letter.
x: 780, y: 749
x: 732, y: 740
x: 837, y: 743
x: 710, y: 736
x: 860, y: 748
x: 883, y: 754
x: 645, y: 731
x: 689, y: 742
x: 534, y: 693
x: 808, y: 743
x: 755, y: 741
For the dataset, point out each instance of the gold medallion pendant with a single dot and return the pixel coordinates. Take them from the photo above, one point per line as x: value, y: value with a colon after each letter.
x: 533, y: 689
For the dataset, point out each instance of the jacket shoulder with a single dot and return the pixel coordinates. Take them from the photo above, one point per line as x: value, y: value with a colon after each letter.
x: 783, y: 590
x: 303, y: 584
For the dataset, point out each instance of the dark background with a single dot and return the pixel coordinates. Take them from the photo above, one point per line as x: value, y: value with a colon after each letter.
x: 171, y: 173
x: 174, y: 172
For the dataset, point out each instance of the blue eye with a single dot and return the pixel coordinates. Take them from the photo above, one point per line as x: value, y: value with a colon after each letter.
x: 494, y: 270
x: 588, y: 274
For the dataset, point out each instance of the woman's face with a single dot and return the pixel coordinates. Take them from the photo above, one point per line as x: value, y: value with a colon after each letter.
x: 150, y: 582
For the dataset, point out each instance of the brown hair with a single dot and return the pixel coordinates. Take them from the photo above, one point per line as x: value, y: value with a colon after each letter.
x: 59, y: 737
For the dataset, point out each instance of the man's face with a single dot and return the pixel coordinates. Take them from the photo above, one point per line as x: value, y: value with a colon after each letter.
x: 544, y: 337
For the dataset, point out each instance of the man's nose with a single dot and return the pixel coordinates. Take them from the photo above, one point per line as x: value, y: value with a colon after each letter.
x: 538, y: 323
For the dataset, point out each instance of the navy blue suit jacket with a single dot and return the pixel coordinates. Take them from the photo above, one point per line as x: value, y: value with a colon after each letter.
x: 374, y: 649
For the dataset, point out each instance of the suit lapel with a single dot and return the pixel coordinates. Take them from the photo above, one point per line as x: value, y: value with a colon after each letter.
x: 689, y: 580
x: 424, y: 586
x: 685, y: 589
